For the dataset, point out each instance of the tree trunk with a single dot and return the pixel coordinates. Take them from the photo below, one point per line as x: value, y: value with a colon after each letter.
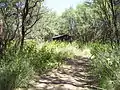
x: 114, y: 22
x: 1, y: 37
x: 22, y: 38
x: 24, y: 15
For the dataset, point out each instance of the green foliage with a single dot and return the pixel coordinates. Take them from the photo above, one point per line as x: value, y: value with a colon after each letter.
x: 47, y: 26
x: 15, y: 71
x: 48, y: 56
x: 43, y: 60
x: 106, y: 64
x: 17, y: 67
x: 88, y: 22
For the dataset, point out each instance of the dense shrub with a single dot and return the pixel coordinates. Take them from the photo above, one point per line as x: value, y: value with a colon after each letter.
x: 49, y: 56
x: 15, y: 71
x: 106, y: 64
x: 17, y: 67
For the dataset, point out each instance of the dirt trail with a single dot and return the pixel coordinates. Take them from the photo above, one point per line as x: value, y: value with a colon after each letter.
x: 71, y: 76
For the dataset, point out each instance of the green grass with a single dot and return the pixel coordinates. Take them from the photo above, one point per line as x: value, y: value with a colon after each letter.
x: 106, y: 65
x: 17, y: 68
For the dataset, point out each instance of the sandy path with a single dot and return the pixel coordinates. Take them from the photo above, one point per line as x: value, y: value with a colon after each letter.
x: 74, y: 75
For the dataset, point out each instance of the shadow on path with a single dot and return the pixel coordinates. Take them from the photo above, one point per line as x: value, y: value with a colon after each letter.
x: 74, y: 75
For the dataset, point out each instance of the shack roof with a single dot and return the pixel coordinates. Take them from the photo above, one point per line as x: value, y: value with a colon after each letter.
x: 60, y: 36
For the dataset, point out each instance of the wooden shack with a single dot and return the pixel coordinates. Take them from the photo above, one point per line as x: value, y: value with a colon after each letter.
x: 64, y: 37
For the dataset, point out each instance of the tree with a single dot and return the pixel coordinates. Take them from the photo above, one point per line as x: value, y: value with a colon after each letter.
x: 114, y: 10
x: 1, y: 37
x: 19, y: 16
x: 69, y: 21
x: 85, y: 20
x: 108, y: 10
x: 46, y: 27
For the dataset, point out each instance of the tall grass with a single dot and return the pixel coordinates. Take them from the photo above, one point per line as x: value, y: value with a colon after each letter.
x: 15, y: 71
x: 106, y: 64
x: 17, y: 68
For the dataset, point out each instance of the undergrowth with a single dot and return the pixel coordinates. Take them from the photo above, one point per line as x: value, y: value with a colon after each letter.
x: 106, y: 65
x: 18, y: 67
